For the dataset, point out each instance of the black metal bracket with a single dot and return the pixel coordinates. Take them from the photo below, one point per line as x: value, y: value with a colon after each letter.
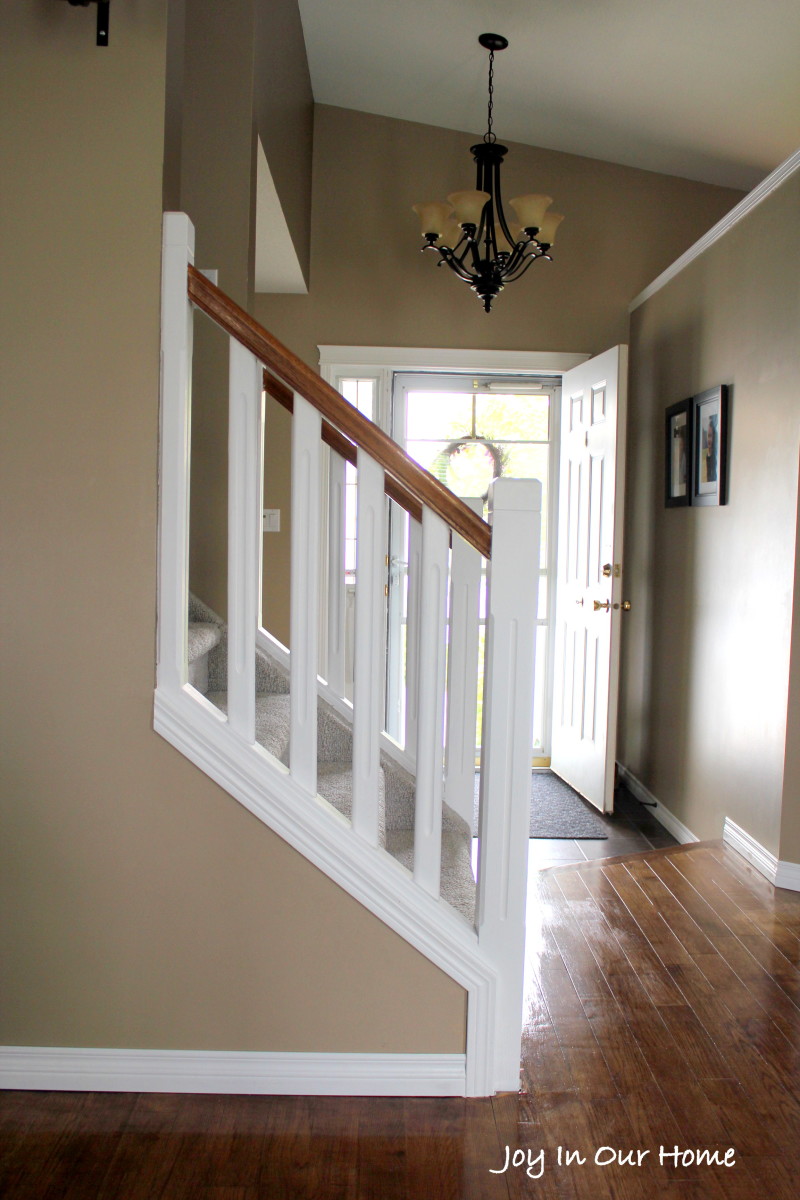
x: 102, y: 17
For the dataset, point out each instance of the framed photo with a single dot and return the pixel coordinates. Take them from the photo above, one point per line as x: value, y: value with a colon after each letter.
x: 710, y: 454
x: 678, y: 454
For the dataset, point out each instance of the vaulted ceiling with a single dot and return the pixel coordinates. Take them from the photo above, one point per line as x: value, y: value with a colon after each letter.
x: 705, y: 89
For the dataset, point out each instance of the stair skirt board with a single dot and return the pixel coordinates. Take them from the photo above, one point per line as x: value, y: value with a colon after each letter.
x: 42, y: 1068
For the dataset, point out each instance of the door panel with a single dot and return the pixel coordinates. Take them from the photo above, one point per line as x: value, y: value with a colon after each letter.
x: 589, y: 576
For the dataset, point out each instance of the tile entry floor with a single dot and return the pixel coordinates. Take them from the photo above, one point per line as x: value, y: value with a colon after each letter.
x: 632, y: 829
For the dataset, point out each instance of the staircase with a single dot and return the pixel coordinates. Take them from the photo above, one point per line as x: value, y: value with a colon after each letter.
x: 389, y: 823
x: 207, y: 640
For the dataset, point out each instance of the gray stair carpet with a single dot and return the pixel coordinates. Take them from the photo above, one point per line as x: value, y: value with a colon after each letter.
x: 334, y: 768
x: 203, y: 637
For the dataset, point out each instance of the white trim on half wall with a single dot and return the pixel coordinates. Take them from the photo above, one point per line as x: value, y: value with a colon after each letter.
x: 44, y: 1068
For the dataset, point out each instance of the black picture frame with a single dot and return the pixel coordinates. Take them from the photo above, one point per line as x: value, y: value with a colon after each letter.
x: 710, y: 447
x: 678, y: 457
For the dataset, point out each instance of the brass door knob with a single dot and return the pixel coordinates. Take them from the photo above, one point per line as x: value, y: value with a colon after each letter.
x: 626, y: 606
x: 604, y: 604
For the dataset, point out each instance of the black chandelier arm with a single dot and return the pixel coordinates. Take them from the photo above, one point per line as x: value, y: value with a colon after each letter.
x: 515, y: 259
x: 527, y: 260
x: 455, y: 264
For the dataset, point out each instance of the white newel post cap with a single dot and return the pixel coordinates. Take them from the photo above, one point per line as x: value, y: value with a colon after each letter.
x: 178, y: 231
x: 515, y: 495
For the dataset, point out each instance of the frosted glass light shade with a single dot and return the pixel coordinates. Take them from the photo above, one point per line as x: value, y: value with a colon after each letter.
x: 452, y: 234
x: 530, y: 210
x: 548, y: 227
x: 468, y: 206
x: 434, y: 218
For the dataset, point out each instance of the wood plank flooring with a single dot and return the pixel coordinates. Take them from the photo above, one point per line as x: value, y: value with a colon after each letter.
x: 663, y: 1010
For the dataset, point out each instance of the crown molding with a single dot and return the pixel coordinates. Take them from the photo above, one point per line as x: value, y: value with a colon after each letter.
x: 718, y: 231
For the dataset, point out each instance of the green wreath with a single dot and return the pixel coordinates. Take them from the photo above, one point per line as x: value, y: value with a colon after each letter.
x: 441, y: 463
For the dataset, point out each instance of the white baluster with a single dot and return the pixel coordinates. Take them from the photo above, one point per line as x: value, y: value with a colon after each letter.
x: 176, y: 383
x: 306, y: 455
x: 512, y: 588
x: 368, y: 672
x: 430, y: 728
x: 245, y: 540
x: 412, y: 634
x: 462, y: 673
x: 336, y: 580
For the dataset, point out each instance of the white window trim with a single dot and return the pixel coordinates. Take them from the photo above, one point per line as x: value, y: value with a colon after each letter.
x: 381, y: 363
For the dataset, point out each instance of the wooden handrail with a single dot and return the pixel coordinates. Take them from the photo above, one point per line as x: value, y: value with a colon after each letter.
x: 343, y: 446
x: 408, y: 479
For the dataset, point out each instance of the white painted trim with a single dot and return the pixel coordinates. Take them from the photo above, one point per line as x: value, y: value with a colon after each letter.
x: 756, y: 854
x: 42, y: 1068
x: 511, y: 604
x: 373, y: 877
x: 245, y: 540
x: 407, y: 358
x: 368, y: 650
x: 741, y: 210
x: 462, y: 673
x: 174, y: 441
x: 781, y: 874
x: 662, y: 814
x: 304, y: 592
x: 788, y: 876
x: 431, y: 684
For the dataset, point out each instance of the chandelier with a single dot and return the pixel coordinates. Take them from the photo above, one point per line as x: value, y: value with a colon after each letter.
x: 470, y: 231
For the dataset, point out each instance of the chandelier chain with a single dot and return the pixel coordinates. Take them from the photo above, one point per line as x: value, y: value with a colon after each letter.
x: 489, y: 136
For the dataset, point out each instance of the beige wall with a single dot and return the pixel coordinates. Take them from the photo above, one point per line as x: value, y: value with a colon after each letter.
x: 707, y: 649
x: 372, y: 286
x: 790, y: 810
x: 141, y: 905
x: 244, y: 72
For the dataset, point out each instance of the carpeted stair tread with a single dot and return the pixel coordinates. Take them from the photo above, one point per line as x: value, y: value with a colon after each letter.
x: 272, y: 720
x: 456, y: 881
x: 203, y: 636
x: 335, y: 784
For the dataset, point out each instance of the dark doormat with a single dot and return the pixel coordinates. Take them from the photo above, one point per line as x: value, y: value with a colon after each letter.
x: 557, y: 811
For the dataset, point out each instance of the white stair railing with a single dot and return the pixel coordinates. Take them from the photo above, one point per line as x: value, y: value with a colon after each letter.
x: 442, y: 633
x: 462, y: 673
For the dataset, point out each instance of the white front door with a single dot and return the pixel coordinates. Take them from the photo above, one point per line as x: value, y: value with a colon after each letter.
x: 590, y: 575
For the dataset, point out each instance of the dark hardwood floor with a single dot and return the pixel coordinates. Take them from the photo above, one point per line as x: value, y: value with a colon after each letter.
x: 663, y: 1010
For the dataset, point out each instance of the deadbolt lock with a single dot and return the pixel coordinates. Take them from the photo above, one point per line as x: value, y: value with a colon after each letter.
x: 607, y: 570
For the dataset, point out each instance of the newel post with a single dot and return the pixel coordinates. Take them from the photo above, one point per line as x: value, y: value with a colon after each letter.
x: 176, y: 382
x: 512, y: 591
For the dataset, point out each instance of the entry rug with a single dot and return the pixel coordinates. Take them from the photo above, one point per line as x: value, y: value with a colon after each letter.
x: 557, y: 811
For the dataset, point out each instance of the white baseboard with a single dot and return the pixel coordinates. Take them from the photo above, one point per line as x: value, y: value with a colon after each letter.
x: 664, y: 817
x: 781, y: 874
x: 42, y: 1068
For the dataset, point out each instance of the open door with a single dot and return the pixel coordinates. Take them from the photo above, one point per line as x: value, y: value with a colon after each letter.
x: 589, y: 574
